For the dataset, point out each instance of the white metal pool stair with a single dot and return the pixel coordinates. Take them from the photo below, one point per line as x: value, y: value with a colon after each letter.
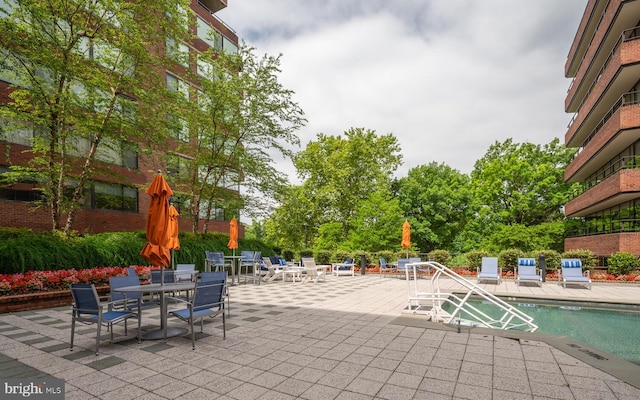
x: 430, y: 303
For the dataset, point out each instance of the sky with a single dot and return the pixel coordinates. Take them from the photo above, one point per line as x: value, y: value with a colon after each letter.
x: 448, y: 78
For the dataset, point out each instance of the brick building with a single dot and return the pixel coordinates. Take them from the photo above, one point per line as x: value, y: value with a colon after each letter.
x: 604, y: 96
x: 100, y: 213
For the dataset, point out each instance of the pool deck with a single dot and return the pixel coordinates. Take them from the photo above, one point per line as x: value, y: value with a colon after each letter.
x: 346, y: 338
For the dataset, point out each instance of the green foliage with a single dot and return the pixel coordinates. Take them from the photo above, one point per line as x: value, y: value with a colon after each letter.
x: 508, y: 259
x: 527, y: 238
x: 587, y: 257
x: 340, y: 174
x: 474, y: 258
x: 460, y: 260
x: 341, y: 255
x: 438, y: 202
x: 330, y: 237
x: 551, y: 258
x: 80, y: 103
x: 522, y: 183
x: 440, y: 256
x: 47, y: 251
x: 389, y: 256
x: 306, y: 253
x: 622, y: 263
x: 323, y: 257
x: 377, y: 223
x: 288, y: 254
x: 406, y: 254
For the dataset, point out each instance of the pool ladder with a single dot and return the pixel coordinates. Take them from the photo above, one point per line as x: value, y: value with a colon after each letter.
x: 430, y: 303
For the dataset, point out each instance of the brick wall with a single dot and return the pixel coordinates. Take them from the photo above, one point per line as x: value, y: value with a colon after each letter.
x: 605, y: 245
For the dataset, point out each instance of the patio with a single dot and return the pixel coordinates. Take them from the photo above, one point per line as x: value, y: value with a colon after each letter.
x: 345, y: 338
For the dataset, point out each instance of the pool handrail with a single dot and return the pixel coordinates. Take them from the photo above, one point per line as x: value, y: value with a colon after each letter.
x: 512, y: 318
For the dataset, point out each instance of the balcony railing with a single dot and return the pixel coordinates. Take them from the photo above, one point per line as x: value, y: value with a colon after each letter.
x: 627, y: 35
x: 627, y: 99
x: 611, y: 169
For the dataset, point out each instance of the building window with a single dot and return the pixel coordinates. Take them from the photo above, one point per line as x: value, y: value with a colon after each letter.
x: 22, y: 190
x: 175, y: 84
x: 18, y: 132
x: 179, y: 128
x: 178, y: 52
x: 107, y: 196
x: 208, y: 34
x: 228, y: 46
x: 177, y: 165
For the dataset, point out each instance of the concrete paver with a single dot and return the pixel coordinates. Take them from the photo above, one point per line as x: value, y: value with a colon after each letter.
x: 346, y: 338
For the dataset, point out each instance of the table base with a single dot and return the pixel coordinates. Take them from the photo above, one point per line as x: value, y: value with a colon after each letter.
x: 158, y: 334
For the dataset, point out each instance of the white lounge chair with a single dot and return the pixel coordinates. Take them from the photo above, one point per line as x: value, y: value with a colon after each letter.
x: 348, y: 267
x: 526, y: 271
x: 273, y: 272
x: 313, y: 272
x: 571, y: 272
x: 489, y: 270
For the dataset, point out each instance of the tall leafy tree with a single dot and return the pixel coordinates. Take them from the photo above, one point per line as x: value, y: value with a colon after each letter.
x: 520, y: 186
x: 522, y: 183
x: 86, y: 81
x: 377, y: 224
x: 339, y: 173
x: 243, y: 118
x: 438, y: 202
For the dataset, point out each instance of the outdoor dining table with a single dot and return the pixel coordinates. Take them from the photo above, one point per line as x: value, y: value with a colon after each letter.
x: 161, y: 289
x: 235, y: 264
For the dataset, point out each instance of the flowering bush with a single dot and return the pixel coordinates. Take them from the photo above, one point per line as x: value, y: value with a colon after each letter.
x: 46, y: 281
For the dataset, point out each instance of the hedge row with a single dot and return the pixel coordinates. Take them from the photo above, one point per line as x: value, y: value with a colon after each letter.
x: 23, y: 250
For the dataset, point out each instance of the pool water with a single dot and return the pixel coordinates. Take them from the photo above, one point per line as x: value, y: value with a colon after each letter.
x: 612, y: 330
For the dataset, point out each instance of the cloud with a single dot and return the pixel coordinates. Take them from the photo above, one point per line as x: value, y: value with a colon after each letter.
x: 447, y: 77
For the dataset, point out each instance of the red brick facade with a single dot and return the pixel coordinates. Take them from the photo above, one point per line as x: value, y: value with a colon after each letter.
x: 603, y: 60
x: 22, y: 214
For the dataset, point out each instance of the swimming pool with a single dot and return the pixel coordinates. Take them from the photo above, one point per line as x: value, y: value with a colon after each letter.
x: 606, y: 327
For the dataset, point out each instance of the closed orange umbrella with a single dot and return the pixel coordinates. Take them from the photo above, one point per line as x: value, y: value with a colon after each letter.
x: 156, y: 250
x: 233, y: 234
x: 406, y: 235
x: 174, y: 242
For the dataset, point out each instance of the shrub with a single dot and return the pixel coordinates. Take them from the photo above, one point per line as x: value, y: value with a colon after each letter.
x: 586, y: 256
x: 323, y: 257
x: 341, y: 255
x: 440, y: 256
x: 389, y: 256
x: 551, y: 258
x: 459, y: 260
x: 306, y: 253
x: 475, y: 258
x: 287, y: 254
x: 508, y: 259
x: 622, y: 263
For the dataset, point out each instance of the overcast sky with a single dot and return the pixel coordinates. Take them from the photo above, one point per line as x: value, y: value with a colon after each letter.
x: 448, y: 78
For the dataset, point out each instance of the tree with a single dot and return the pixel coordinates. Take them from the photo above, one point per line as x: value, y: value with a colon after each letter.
x: 438, y: 202
x: 522, y: 183
x: 339, y: 173
x: 243, y: 116
x: 292, y: 225
x: 377, y: 224
x: 86, y: 84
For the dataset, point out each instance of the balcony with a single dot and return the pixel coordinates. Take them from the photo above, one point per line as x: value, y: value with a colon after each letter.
x: 607, y: 191
x: 213, y: 5
x: 616, y: 131
x: 617, y: 76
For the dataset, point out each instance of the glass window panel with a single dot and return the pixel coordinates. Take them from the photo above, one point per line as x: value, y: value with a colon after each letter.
x: 204, y: 32
x: 228, y: 46
x: 18, y: 132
